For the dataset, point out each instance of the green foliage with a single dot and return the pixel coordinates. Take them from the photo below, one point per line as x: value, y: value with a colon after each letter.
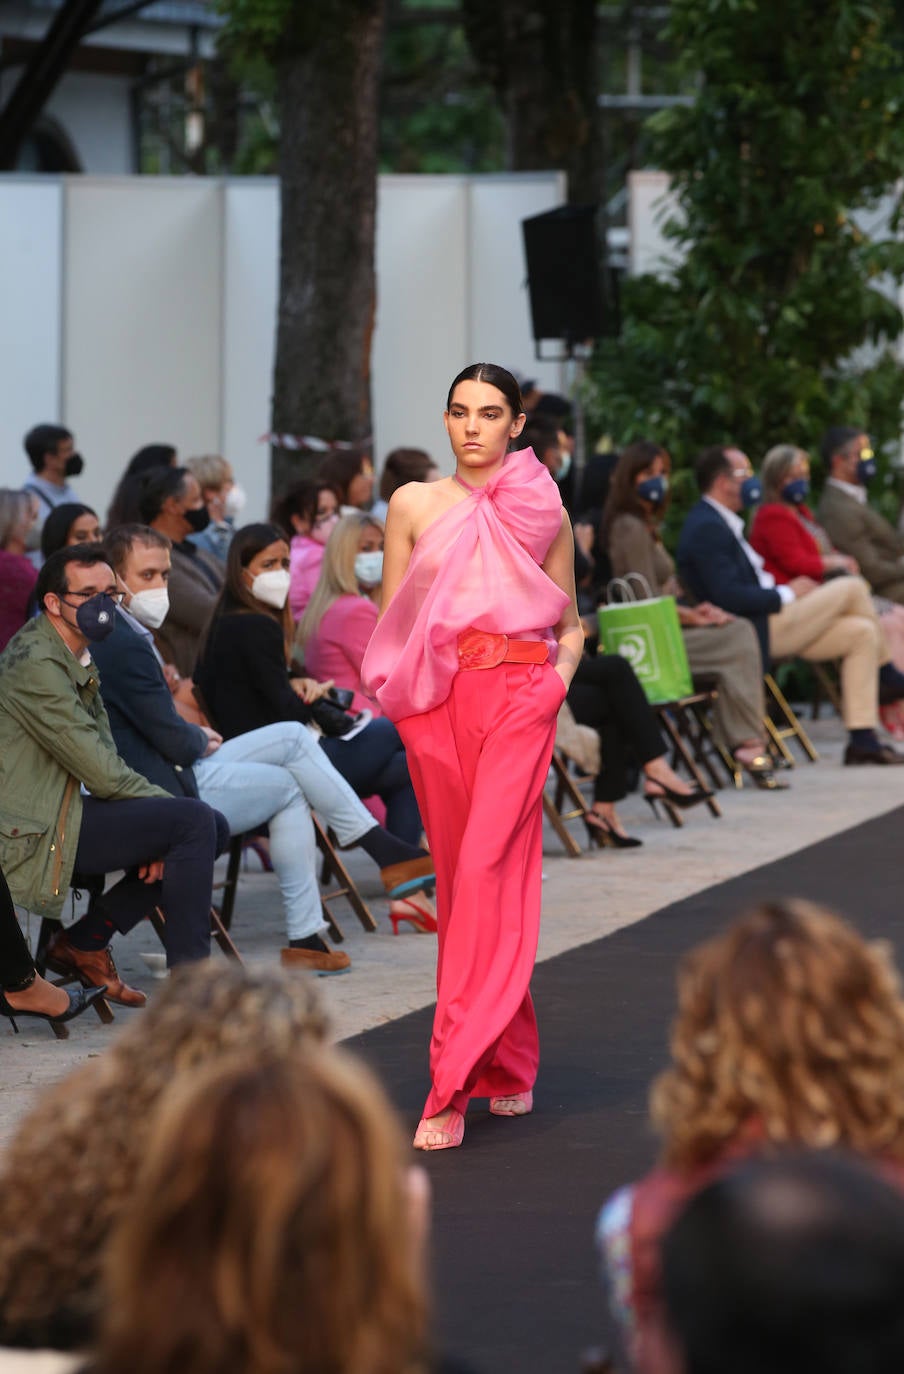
x: 779, y: 317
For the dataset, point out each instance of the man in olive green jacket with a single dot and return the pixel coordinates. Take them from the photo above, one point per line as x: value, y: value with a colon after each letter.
x: 851, y: 524
x: 68, y: 802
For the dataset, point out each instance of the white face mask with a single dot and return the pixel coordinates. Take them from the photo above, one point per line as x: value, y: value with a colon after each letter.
x: 564, y: 466
x: 369, y: 568
x: 272, y: 587
x: 150, y: 607
x: 235, y: 500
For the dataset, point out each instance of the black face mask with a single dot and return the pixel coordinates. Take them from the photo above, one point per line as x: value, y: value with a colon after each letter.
x: 96, y: 617
x: 75, y: 465
x: 198, y: 518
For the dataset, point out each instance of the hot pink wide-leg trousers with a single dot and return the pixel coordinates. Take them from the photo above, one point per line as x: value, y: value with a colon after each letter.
x: 479, y: 762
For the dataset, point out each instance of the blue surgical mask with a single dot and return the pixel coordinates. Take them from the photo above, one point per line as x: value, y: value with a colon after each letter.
x: 564, y: 466
x: 369, y: 568
x: 653, y: 489
x: 751, y: 492
x: 797, y: 491
x: 866, y: 467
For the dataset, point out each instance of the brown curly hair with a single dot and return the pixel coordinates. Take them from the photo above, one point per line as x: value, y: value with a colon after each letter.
x: 270, y: 1229
x: 791, y: 1025
x: 70, y: 1169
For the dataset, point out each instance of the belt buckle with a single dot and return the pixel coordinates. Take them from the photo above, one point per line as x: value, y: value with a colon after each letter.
x: 481, y: 649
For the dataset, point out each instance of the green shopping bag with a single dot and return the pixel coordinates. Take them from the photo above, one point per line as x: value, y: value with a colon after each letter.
x: 647, y: 633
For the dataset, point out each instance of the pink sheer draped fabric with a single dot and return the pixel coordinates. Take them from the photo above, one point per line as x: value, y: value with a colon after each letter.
x: 477, y: 565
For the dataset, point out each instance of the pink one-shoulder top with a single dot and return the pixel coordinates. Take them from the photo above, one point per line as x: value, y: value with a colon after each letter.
x: 476, y: 566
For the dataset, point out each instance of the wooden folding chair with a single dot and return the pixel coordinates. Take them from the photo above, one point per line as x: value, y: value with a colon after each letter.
x: 680, y: 724
x: 782, y: 724
x: 565, y: 786
x: 693, y: 718
x: 334, y: 868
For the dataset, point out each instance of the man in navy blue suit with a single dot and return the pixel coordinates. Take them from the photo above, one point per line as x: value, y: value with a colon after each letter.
x: 835, y: 620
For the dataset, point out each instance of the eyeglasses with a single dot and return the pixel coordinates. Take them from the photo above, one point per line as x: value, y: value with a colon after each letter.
x: 117, y: 597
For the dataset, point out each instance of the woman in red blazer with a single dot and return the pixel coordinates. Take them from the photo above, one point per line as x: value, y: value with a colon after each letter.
x: 787, y: 536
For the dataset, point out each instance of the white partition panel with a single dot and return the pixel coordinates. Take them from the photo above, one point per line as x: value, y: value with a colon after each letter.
x: 422, y: 309
x: 250, y: 283
x: 142, y: 320
x: 499, y: 315
x: 30, y: 261
x: 650, y: 205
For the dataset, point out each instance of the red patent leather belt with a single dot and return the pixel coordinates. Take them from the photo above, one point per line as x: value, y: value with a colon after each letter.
x: 482, y: 649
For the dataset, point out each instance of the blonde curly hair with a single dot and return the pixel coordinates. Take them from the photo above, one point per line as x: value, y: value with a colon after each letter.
x: 270, y: 1229
x: 70, y: 1169
x: 789, y: 1024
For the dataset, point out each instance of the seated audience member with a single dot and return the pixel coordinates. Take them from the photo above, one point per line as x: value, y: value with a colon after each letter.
x: 336, y: 628
x: 274, y: 1225
x: 789, y: 1031
x: 718, y: 646
x: 125, y: 505
x: 224, y: 500
x: 793, y: 544
x: 243, y: 676
x: 70, y: 803
x: 850, y: 522
x: 51, y: 452
x: 308, y: 513
x: 69, y: 1172
x: 71, y: 523
x: 836, y: 620
x: 551, y: 446
x: 275, y: 776
x: 171, y: 504
x: 351, y: 472
x: 17, y: 572
x: 785, y: 1265
x: 606, y: 695
x: 23, y: 992
x: 403, y: 465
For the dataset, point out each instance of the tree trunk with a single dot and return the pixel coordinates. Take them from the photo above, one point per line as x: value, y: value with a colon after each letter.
x: 541, y: 57
x: 327, y: 288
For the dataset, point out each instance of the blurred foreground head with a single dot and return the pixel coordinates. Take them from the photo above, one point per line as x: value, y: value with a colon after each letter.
x: 70, y: 1169
x: 788, y: 1265
x: 790, y: 1029
x: 270, y: 1229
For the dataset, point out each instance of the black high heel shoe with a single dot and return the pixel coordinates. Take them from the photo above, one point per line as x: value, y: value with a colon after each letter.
x: 601, y: 833
x: 654, y: 801
x: 680, y: 799
x: 80, y: 999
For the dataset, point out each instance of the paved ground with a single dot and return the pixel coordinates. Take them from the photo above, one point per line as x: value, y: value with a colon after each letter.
x: 583, y: 899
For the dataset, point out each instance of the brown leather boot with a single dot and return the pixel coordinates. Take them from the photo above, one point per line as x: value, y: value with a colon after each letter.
x: 93, y: 968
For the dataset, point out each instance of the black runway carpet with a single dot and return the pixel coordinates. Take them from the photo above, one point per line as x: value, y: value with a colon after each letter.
x: 514, y: 1268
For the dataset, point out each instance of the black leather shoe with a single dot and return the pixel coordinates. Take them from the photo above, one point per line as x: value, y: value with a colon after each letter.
x: 853, y: 754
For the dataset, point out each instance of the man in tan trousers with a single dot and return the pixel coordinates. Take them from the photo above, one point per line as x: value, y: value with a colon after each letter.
x: 835, y: 620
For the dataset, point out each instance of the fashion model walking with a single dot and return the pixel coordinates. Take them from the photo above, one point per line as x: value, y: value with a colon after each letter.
x: 478, y: 640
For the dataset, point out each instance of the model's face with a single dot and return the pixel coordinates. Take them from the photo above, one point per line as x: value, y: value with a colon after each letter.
x: 145, y: 568
x: 271, y: 559
x: 84, y: 530
x: 480, y: 423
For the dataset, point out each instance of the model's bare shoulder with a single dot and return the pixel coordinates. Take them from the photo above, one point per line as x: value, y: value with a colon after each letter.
x: 419, y: 503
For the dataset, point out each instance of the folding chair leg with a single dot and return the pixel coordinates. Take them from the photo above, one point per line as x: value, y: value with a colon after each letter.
x: 334, y: 867
x: 794, y: 726
x: 572, y: 848
x: 675, y: 736
x: 218, y: 931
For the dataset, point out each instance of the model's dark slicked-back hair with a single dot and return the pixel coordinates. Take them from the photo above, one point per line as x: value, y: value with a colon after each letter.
x: 835, y: 440
x: 495, y: 376
x: 710, y: 464
x: 54, y: 576
x: 43, y: 439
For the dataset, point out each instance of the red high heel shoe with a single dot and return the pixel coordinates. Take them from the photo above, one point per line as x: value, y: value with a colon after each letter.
x: 423, y: 920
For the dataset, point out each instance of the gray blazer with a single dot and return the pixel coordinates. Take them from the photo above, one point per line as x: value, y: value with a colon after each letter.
x: 862, y: 533
x: 194, y: 585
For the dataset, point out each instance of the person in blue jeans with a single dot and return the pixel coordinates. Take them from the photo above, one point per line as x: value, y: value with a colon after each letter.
x: 275, y: 775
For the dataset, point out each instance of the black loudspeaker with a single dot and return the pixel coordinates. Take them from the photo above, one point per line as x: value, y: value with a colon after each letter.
x: 567, y: 298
